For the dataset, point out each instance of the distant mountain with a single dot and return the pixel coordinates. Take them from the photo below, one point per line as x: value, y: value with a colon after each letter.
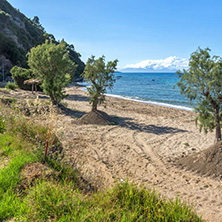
x: 18, y: 34
x: 170, y: 64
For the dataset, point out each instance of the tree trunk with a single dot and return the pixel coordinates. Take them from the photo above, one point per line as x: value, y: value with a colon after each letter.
x: 218, y: 128
x: 94, y: 105
x: 52, y: 99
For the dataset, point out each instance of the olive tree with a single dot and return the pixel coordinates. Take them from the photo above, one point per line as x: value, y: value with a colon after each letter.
x: 202, y: 82
x: 100, y: 76
x: 51, y: 64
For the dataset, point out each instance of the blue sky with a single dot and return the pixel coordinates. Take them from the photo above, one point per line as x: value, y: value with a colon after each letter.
x: 131, y: 30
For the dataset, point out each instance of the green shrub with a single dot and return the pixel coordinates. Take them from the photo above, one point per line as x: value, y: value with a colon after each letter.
x: 19, y: 75
x: 11, y: 86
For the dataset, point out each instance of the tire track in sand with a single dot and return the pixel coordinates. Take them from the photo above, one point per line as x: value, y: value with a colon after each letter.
x: 203, y: 192
x: 145, y: 166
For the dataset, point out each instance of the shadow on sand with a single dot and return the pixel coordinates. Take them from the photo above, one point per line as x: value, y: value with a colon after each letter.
x: 128, y: 123
x: 72, y: 113
x: 158, y: 130
x: 77, y: 97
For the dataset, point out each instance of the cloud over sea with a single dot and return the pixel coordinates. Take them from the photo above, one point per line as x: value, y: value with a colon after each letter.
x: 171, y: 63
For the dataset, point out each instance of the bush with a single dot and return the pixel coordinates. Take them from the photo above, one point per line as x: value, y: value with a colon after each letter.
x: 19, y: 75
x: 11, y: 86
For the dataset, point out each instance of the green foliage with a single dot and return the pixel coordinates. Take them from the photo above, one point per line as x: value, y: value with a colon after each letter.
x: 125, y: 202
x: 9, y: 176
x: 11, y: 86
x: 75, y: 57
x: 2, y: 124
x: 36, y: 21
x: 202, y: 82
x: 101, y: 77
x: 21, y: 72
x: 3, y: 14
x: 206, y: 116
x: 19, y: 75
x: 51, y: 63
x: 10, y: 204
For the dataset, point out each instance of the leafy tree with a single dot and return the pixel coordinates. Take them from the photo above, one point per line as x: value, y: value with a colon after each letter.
x: 36, y: 21
x: 101, y: 77
x: 50, y: 37
x: 75, y: 57
x: 51, y: 63
x: 202, y: 82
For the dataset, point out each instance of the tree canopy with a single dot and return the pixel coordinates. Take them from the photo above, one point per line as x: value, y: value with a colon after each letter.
x: 51, y: 64
x: 202, y: 82
x: 100, y: 76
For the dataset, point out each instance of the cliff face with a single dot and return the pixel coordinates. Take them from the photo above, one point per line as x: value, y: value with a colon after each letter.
x: 18, y: 34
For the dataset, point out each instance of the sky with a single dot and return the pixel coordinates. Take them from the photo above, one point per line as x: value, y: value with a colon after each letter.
x: 131, y: 31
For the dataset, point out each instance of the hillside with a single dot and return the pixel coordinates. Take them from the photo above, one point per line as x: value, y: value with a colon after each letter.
x: 18, y: 34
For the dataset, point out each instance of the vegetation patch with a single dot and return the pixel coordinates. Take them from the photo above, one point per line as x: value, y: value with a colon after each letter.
x: 11, y: 86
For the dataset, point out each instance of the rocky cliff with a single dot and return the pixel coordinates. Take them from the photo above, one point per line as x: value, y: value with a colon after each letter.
x: 18, y: 34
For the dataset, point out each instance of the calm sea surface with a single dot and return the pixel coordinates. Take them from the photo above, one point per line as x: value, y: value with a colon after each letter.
x: 154, y: 88
x: 151, y: 88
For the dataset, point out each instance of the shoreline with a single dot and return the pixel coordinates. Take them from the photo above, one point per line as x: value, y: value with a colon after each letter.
x: 152, y: 103
x: 145, y: 102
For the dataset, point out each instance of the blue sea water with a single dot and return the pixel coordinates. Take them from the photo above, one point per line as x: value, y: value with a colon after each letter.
x: 153, y: 88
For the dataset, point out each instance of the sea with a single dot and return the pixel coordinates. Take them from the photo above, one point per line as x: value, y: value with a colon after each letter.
x: 151, y: 88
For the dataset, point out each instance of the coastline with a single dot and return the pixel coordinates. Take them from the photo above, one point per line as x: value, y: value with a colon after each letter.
x: 144, y: 101
x: 152, y: 102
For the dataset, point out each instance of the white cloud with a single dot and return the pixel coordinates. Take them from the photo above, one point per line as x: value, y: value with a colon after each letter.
x: 170, y: 63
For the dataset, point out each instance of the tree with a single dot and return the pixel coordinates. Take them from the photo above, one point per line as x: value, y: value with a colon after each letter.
x: 100, y: 76
x: 51, y: 64
x: 202, y: 82
x: 36, y: 21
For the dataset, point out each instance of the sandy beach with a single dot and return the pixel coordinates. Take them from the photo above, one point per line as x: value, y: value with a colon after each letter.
x: 143, y: 148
